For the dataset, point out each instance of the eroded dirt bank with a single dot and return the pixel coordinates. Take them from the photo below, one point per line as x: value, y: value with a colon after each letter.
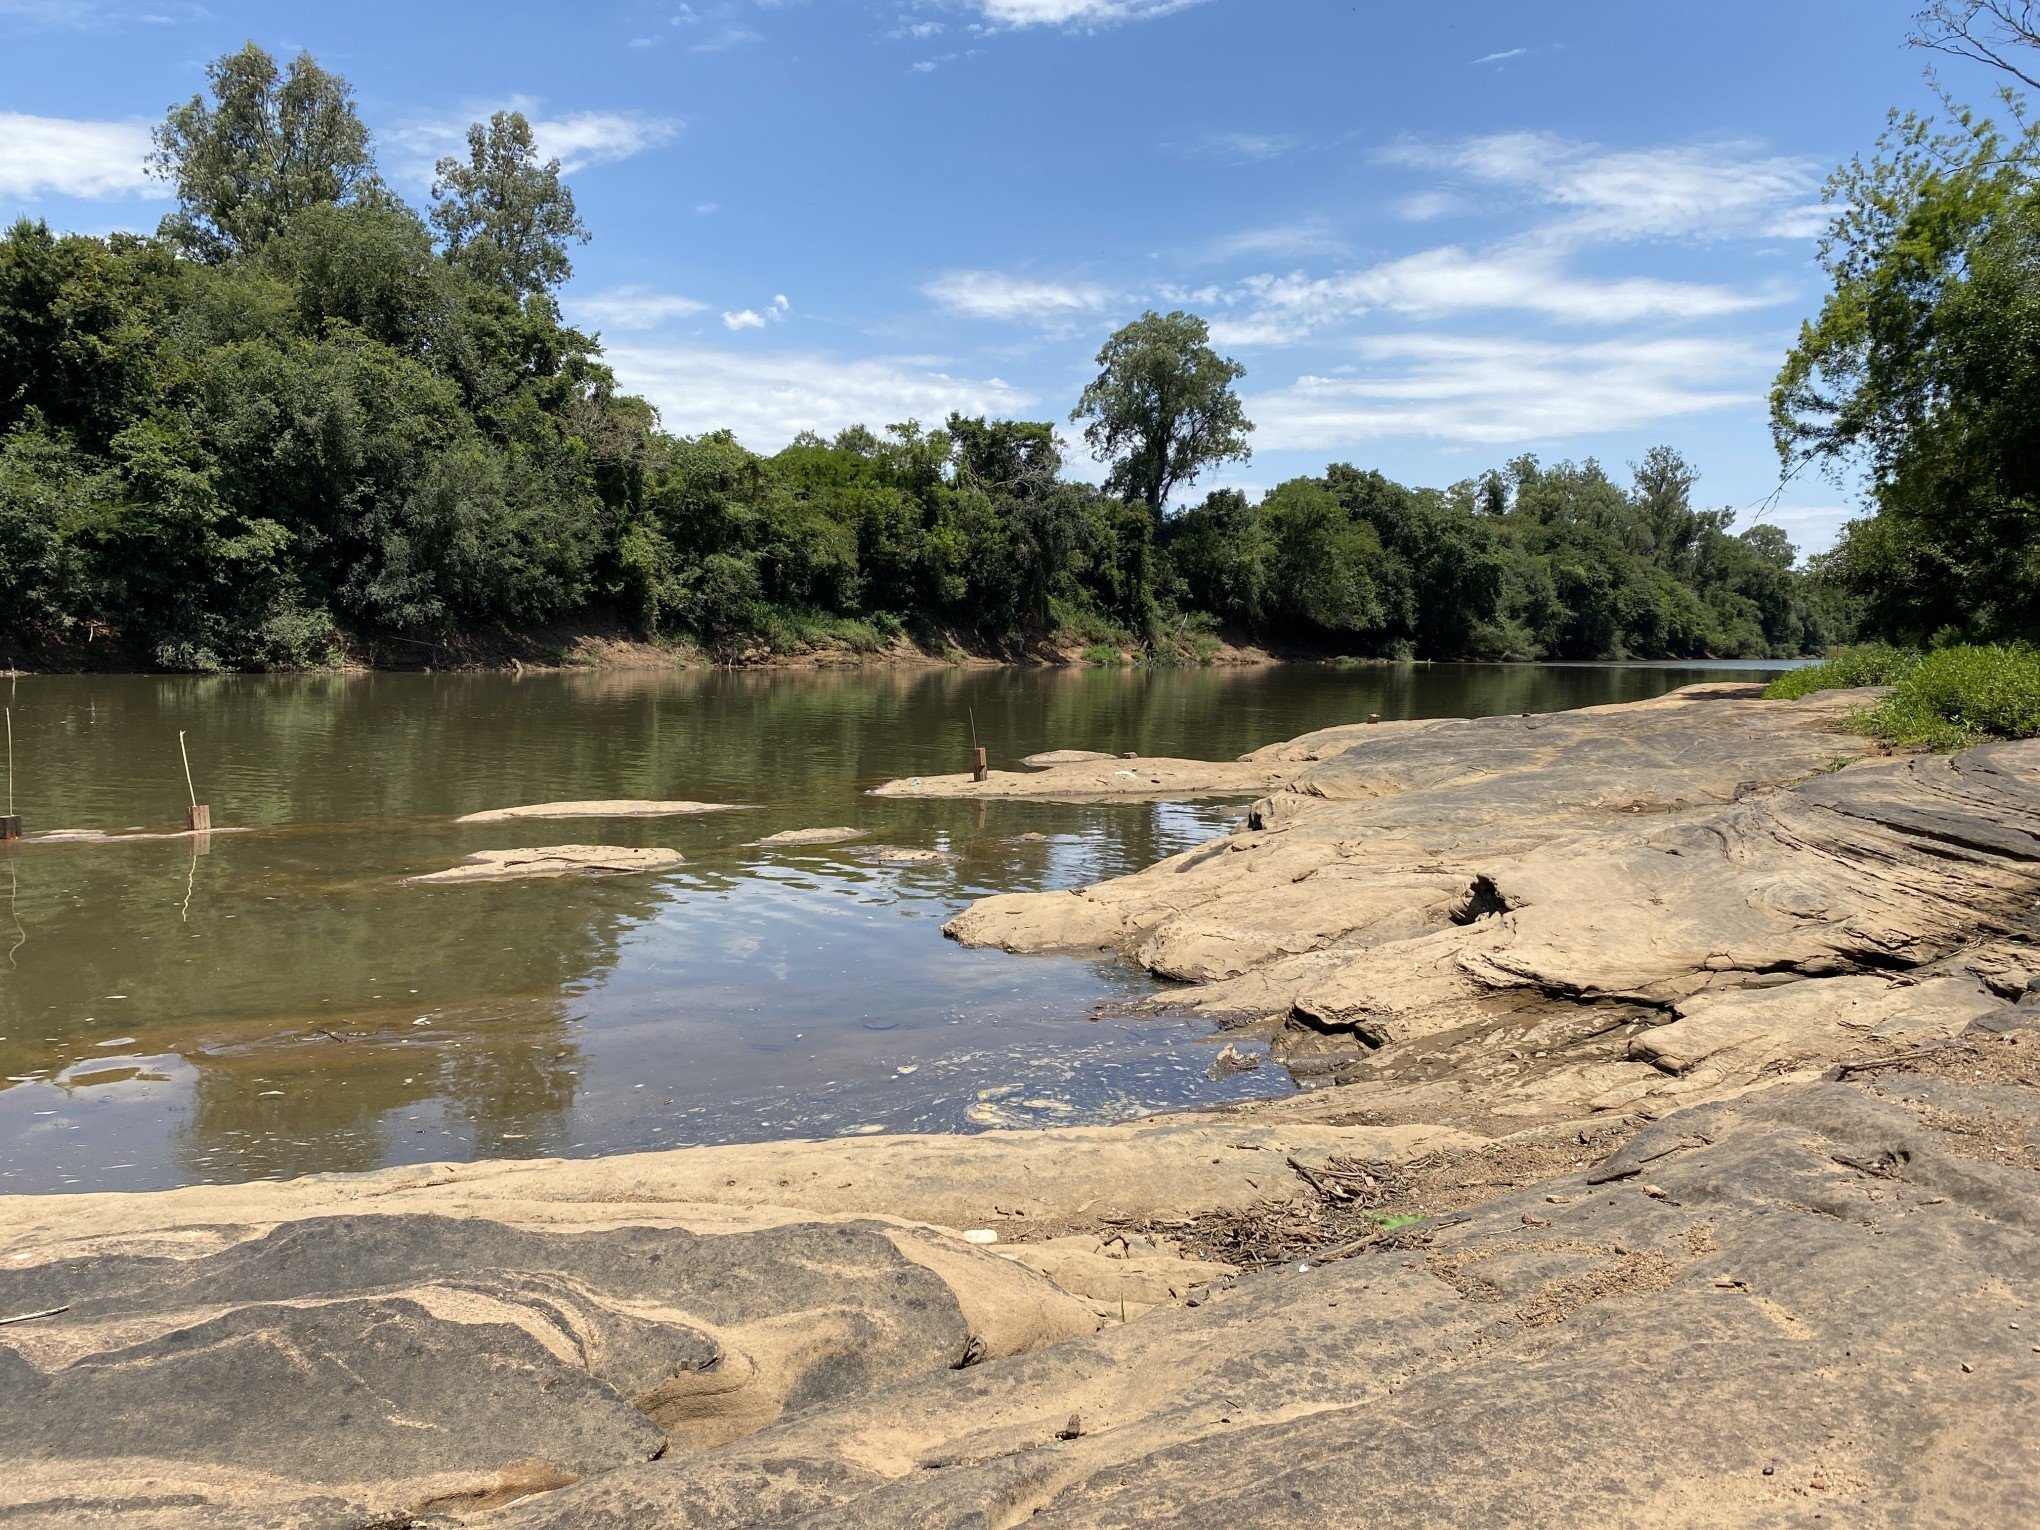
x: 1677, y: 1162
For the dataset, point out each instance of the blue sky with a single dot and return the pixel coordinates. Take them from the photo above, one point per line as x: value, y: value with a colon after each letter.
x: 1436, y: 236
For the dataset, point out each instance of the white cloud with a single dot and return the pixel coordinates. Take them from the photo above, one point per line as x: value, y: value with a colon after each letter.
x: 1240, y: 148
x: 632, y: 307
x: 1282, y: 310
x: 1423, y: 206
x: 1502, y: 57
x: 726, y: 39
x: 1309, y: 236
x: 770, y: 397
x: 752, y: 318
x: 42, y: 156
x: 1689, y: 192
x: 1015, y: 299
x: 582, y: 139
x: 1078, y: 15
x: 576, y: 139
x: 1495, y: 392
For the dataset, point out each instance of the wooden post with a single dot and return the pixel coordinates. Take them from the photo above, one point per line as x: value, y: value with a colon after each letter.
x: 197, y: 817
x: 977, y: 765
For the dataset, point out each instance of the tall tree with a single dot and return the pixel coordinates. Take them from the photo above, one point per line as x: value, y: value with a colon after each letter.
x: 265, y: 148
x: 1162, y: 408
x: 504, y: 213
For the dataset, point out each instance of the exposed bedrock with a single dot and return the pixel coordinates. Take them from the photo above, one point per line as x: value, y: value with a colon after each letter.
x: 1453, y: 885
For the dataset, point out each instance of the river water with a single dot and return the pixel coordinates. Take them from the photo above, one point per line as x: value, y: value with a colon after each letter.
x: 277, y: 1002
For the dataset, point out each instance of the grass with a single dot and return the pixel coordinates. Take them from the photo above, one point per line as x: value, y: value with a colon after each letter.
x: 1869, y: 664
x: 1946, y: 698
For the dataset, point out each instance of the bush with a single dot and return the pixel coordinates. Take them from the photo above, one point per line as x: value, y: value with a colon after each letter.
x: 1870, y: 664
x: 1955, y: 697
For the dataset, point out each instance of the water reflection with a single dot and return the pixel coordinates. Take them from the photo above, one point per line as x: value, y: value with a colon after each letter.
x: 276, y: 1002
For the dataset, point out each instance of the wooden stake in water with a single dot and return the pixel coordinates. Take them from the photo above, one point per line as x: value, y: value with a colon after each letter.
x: 977, y: 755
x: 10, y: 825
x: 198, y: 818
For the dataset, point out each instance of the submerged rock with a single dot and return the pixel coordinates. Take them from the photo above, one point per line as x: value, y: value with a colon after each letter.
x: 793, y: 837
x: 554, y: 861
x: 621, y: 808
x: 896, y: 855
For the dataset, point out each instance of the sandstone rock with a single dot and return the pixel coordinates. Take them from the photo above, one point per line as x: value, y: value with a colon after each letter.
x: 553, y: 861
x: 1065, y: 757
x: 787, y: 838
x: 610, y: 808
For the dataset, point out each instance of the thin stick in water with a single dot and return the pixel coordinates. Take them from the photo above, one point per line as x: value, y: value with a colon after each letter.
x: 187, y: 767
x: 10, y: 762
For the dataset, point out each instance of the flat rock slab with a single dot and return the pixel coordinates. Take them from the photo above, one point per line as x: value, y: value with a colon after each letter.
x: 420, y: 1362
x: 1812, y: 1303
x: 795, y: 837
x: 619, y: 808
x: 1065, y: 757
x: 553, y: 861
x: 1107, y: 779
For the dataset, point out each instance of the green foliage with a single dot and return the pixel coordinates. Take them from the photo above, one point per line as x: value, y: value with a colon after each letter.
x: 266, y: 147
x: 1959, y: 696
x: 1162, y: 408
x: 505, y: 216
x: 1923, y: 367
x: 1848, y: 669
x: 1945, y: 698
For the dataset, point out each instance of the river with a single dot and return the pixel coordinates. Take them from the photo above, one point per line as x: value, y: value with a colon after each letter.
x: 277, y: 1001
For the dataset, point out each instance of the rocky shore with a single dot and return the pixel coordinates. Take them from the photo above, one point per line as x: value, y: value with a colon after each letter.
x: 1672, y: 1157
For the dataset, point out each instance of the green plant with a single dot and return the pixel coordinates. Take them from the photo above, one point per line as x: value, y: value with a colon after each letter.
x: 1847, y: 669
x: 1955, y: 697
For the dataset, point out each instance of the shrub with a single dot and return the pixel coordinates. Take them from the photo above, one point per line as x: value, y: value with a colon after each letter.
x: 1955, y: 697
x: 1869, y: 664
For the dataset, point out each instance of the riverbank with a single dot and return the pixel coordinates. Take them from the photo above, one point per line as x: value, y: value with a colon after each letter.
x: 825, y: 644
x: 1672, y: 1041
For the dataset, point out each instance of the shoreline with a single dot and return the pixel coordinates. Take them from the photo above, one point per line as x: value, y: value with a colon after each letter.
x: 1671, y: 1037
x: 576, y: 649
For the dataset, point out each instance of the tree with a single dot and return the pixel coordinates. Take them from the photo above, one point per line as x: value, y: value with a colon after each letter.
x: 1923, y: 368
x: 1984, y: 31
x: 262, y: 151
x: 1162, y: 408
x: 505, y: 215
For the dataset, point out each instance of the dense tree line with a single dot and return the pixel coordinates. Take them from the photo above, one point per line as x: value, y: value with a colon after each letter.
x: 302, y: 411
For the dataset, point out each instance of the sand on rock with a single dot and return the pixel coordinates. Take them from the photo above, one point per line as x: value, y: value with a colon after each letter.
x: 554, y: 861
x: 1050, y: 757
x: 616, y: 808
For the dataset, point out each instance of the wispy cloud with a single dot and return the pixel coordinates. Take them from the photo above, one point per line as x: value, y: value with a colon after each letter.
x: 1499, y: 391
x: 1015, y: 299
x: 1076, y: 15
x: 769, y: 397
x: 576, y: 139
x: 1502, y: 57
x: 1681, y: 192
x: 632, y: 308
x: 1238, y: 148
x: 58, y: 156
x: 1306, y: 236
x: 1285, y: 310
x: 757, y: 318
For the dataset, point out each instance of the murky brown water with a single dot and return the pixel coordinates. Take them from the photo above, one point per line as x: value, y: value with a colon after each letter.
x: 281, y: 1004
